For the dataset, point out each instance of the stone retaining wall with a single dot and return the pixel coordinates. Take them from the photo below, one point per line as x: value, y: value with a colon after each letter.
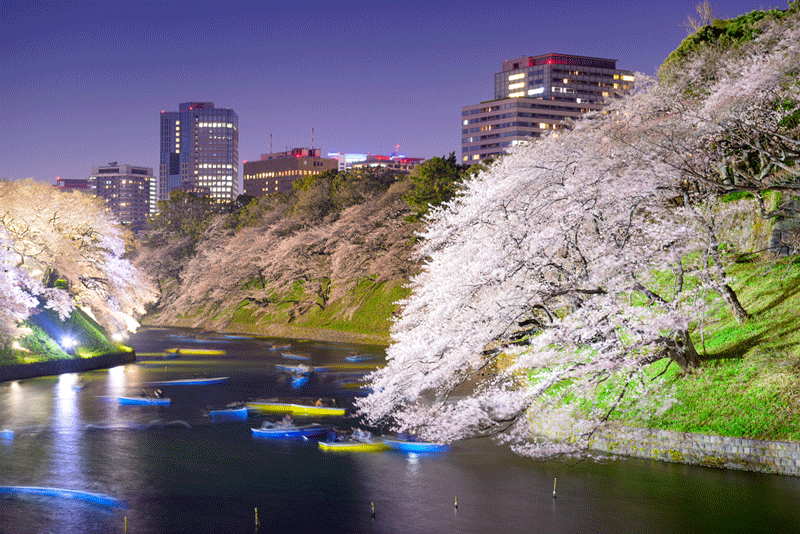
x: 776, y: 457
x: 57, y: 367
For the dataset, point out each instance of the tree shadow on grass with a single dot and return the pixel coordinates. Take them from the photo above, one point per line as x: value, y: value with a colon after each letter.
x: 766, y: 336
x: 778, y: 300
x: 736, y: 351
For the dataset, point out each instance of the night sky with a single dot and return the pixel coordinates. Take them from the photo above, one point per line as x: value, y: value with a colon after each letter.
x: 83, y: 82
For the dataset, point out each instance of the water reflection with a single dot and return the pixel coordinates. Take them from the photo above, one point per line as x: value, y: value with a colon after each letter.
x: 209, y: 478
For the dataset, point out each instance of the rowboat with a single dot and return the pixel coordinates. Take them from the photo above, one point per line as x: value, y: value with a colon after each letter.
x: 357, y: 358
x: 160, y: 401
x: 95, y: 498
x: 233, y: 414
x: 191, y: 381
x: 415, y: 446
x: 292, y: 356
x: 291, y: 432
x: 294, y: 409
x: 372, y: 445
x: 299, y: 369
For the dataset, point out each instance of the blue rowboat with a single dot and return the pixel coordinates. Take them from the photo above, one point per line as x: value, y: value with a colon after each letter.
x: 299, y: 369
x: 290, y: 356
x: 95, y: 498
x: 357, y: 358
x: 191, y: 381
x: 144, y: 400
x: 415, y: 446
x: 234, y: 414
x: 291, y: 432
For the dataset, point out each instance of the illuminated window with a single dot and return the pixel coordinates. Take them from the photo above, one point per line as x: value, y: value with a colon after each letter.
x: 628, y: 78
x: 516, y: 85
x: 537, y: 91
x: 516, y: 76
x: 516, y: 95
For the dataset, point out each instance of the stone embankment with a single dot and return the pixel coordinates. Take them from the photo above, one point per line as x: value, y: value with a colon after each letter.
x: 774, y: 457
x: 57, y: 367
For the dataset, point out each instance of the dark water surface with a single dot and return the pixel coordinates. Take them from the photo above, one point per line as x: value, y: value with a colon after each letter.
x: 71, y: 433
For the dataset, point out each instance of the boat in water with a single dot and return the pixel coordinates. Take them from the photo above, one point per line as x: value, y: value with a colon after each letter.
x: 367, y: 445
x: 292, y: 356
x: 291, y: 432
x: 191, y: 381
x: 294, y: 409
x: 415, y: 446
x: 159, y: 401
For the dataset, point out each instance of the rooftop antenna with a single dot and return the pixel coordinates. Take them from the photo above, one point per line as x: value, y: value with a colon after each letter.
x: 312, y: 139
x: 270, y: 143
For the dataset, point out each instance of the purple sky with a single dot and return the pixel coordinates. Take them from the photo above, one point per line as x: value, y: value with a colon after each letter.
x: 83, y: 82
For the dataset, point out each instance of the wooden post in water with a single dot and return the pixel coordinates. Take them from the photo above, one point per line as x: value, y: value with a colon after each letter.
x: 372, y: 507
x: 257, y: 523
x: 554, y: 487
x: 126, y: 524
x: 456, y: 503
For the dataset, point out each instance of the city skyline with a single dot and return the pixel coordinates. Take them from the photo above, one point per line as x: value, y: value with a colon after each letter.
x: 84, y: 82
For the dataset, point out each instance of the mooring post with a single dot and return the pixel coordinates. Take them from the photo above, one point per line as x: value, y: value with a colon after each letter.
x: 455, y: 505
x: 554, y: 487
x: 126, y: 524
x: 257, y: 523
x: 372, y: 507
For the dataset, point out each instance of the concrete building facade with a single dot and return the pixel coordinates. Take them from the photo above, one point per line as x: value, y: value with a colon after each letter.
x: 126, y: 190
x: 533, y: 95
x: 275, y: 172
x: 199, y: 151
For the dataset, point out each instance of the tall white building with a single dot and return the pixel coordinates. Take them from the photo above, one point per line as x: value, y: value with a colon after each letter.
x: 534, y: 95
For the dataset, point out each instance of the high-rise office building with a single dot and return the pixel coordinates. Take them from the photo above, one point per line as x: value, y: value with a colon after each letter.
x: 534, y: 95
x: 199, y: 151
x: 275, y: 172
x: 126, y: 190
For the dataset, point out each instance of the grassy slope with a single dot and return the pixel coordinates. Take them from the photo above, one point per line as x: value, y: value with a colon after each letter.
x: 46, y: 332
x: 748, y: 383
x: 363, y: 313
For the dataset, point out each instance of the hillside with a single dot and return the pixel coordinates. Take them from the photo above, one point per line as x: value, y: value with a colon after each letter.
x: 327, y: 261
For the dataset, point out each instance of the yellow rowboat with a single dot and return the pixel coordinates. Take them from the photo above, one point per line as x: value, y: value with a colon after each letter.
x: 294, y: 409
x: 354, y: 446
x: 201, y: 352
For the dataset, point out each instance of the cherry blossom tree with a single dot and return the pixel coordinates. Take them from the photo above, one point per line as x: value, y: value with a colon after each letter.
x: 47, y: 235
x: 336, y: 230
x: 570, y: 267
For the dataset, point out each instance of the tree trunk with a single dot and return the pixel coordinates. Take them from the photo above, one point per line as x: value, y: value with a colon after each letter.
x: 680, y: 349
x: 733, y: 303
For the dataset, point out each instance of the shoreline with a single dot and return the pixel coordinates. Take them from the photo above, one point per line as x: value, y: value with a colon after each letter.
x: 21, y: 371
x: 274, y: 330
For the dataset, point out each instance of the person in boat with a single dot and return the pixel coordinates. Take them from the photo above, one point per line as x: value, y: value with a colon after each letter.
x: 319, y: 403
x: 287, y: 420
x: 158, y: 393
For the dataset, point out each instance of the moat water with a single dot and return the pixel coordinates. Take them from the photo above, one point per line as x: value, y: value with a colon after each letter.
x: 170, y: 469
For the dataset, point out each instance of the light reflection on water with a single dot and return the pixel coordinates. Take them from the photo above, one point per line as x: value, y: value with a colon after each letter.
x: 211, y: 477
